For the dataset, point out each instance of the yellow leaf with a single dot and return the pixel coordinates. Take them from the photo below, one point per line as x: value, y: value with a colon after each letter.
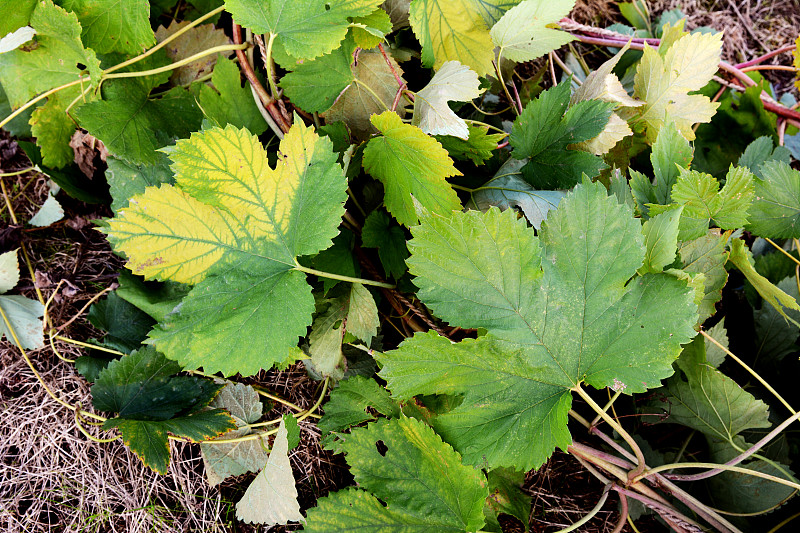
x: 663, y: 83
x: 452, y: 30
x: 616, y: 130
x: 162, y: 234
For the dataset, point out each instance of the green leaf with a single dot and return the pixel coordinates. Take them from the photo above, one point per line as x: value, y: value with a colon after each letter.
x: 661, y: 240
x: 665, y: 77
x: 759, y: 152
x: 452, y: 83
x: 19, y: 126
x: 271, y: 498
x: 148, y: 439
x: 53, y: 128
x: 126, y: 326
x: 338, y: 259
x: 742, y: 258
x: 546, y: 128
x: 410, y: 163
x: 126, y: 180
x: 508, y: 190
x: 315, y: 85
x: 775, y: 213
x: 453, y: 31
x: 132, y: 126
x: 522, y: 34
x: 13, y: 15
x: 421, y: 479
x: 370, y: 90
x: 706, y: 255
x: 703, y: 201
x: 230, y: 103
x: 193, y: 41
x: 58, y: 56
x: 370, y: 30
x: 222, y: 461
x: 140, y: 386
x: 22, y: 313
x: 738, y: 492
x: 775, y: 337
x: 581, y: 319
x: 349, y: 402
x: 114, y: 26
x: 506, y: 497
x: 154, y: 298
x: 390, y: 240
x: 478, y: 148
x: 353, y: 312
x: 671, y: 152
x: 307, y: 31
x: 713, y: 404
x: 233, y: 226
x: 292, y: 430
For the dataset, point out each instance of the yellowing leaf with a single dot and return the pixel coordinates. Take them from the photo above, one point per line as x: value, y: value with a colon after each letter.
x: 160, y: 233
x: 371, y: 30
x: 522, y: 33
x: 408, y: 162
x: 356, y: 103
x: 452, y: 30
x: 663, y: 83
x: 233, y: 226
x: 453, y: 82
x: 271, y: 498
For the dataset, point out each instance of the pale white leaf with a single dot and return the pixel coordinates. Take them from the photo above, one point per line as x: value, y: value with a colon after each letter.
x: 453, y: 82
x: 50, y: 212
x: 271, y: 498
x: 521, y: 33
x: 16, y: 38
x: 9, y: 271
x: 24, y: 315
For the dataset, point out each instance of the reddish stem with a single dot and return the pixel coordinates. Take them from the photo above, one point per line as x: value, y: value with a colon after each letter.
x: 391, y: 67
x: 761, y: 59
x: 266, y: 99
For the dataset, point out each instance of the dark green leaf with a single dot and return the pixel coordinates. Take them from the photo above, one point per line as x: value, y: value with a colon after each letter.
x: 390, y: 240
x: 127, y: 179
x: 231, y: 103
x: 125, y: 325
x: 546, y: 128
x: 140, y: 386
x: 157, y: 299
x: 148, y: 439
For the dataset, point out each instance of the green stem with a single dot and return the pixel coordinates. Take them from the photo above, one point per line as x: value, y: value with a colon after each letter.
x: 330, y: 275
x: 39, y: 98
x: 18, y: 172
x: 177, y: 64
x: 373, y: 93
x: 268, y: 63
x: 607, y: 407
x: 166, y: 41
x: 640, y: 466
x: 717, y: 466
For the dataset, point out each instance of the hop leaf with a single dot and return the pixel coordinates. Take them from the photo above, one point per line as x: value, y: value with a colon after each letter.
x: 557, y: 316
x: 522, y: 33
x: 665, y: 77
x: 233, y: 226
x: 114, y: 26
x: 410, y: 163
x: 305, y: 30
x: 453, y: 82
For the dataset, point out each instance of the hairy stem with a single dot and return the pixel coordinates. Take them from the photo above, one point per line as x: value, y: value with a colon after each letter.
x: 330, y: 275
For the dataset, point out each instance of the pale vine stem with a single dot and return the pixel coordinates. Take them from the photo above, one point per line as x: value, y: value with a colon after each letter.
x: 511, y: 101
x: 338, y: 277
x: 18, y: 172
x: 750, y: 371
x: 640, y: 463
